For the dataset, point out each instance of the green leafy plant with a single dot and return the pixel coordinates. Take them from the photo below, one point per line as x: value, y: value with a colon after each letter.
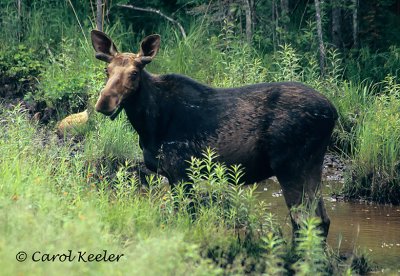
x: 310, y: 249
x: 63, y: 86
x: 275, y: 254
x: 20, y: 67
x: 223, y: 190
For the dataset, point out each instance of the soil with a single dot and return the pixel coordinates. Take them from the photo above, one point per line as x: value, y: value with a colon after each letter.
x: 333, y: 168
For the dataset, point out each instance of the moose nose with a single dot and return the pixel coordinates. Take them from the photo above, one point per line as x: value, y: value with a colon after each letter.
x: 100, y: 109
x: 105, y: 104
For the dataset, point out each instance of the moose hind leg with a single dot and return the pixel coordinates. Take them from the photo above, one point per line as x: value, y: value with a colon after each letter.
x: 303, y: 190
x: 325, y: 221
x: 314, y: 194
x: 292, y: 189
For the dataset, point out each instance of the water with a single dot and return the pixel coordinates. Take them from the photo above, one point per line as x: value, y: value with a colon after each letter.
x: 370, y: 228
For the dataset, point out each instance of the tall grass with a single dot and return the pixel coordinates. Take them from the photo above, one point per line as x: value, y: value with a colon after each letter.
x: 38, y: 23
x: 53, y: 202
x: 376, y: 150
x: 364, y: 64
x: 352, y: 102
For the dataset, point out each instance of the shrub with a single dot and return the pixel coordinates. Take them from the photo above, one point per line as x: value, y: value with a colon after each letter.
x: 20, y: 67
x: 65, y: 83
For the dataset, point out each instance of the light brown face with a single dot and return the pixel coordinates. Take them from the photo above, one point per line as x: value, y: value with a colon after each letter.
x: 123, y: 70
x: 122, y: 79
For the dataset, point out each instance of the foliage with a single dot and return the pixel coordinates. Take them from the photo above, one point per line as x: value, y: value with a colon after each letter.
x: 112, y: 139
x: 352, y: 101
x: 223, y: 188
x: 376, y: 151
x: 189, y: 56
x: 40, y: 23
x: 62, y: 85
x: 274, y: 254
x: 365, y: 64
x: 310, y: 249
x: 54, y: 202
x: 19, y: 64
x: 240, y: 65
x: 55, y: 207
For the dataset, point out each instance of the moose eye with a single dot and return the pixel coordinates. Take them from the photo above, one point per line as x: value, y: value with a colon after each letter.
x: 133, y: 75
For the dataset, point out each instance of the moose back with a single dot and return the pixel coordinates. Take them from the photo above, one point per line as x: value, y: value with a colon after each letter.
x: 280, y: 129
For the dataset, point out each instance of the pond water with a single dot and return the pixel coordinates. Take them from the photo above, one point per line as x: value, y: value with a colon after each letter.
x: 370, y: 228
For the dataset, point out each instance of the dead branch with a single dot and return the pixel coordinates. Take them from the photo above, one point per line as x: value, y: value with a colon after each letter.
x: 157, y: 12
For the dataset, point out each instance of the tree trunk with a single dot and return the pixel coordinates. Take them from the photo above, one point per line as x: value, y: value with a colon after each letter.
x: 355, y: 23
x: 249, y: 21
x: 19, y: 8
x: 99, y: 15
x: 253, y: 13
x: 19, y: 27
x: 274, y: 23
x: 285, y: 13
x: 337, y: 23
x: 285, y: 6
x: 320, y: 39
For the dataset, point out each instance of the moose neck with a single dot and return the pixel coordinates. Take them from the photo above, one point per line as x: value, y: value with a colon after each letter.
x: 142, y: 107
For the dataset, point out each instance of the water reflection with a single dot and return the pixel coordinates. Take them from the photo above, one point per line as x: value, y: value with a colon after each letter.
x: 371, y: 228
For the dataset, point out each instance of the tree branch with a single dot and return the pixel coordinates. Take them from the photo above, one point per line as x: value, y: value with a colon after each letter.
x: 157, y: 12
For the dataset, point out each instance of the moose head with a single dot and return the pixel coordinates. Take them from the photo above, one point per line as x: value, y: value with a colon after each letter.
x: 123, y: 70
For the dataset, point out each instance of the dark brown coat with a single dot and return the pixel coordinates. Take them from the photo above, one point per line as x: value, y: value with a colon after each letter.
x: 280, y: 129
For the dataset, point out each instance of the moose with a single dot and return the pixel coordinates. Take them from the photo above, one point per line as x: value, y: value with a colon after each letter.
x: 271, y: 129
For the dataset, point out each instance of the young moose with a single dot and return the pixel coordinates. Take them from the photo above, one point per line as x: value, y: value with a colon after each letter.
x: 280, y: 129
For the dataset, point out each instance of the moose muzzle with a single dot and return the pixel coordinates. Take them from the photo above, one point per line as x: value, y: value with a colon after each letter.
x: 109, y: 105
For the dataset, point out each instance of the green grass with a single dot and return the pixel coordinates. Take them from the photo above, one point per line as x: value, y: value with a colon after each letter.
x: 375, y: 148
x: 52, y: 200
x: 50, y: 204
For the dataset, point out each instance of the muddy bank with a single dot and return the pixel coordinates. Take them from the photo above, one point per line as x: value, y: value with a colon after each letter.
x: 334, y: 168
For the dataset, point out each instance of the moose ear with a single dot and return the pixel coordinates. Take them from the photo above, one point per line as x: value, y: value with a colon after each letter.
x: 105, y: 48
x: 149, y: 47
